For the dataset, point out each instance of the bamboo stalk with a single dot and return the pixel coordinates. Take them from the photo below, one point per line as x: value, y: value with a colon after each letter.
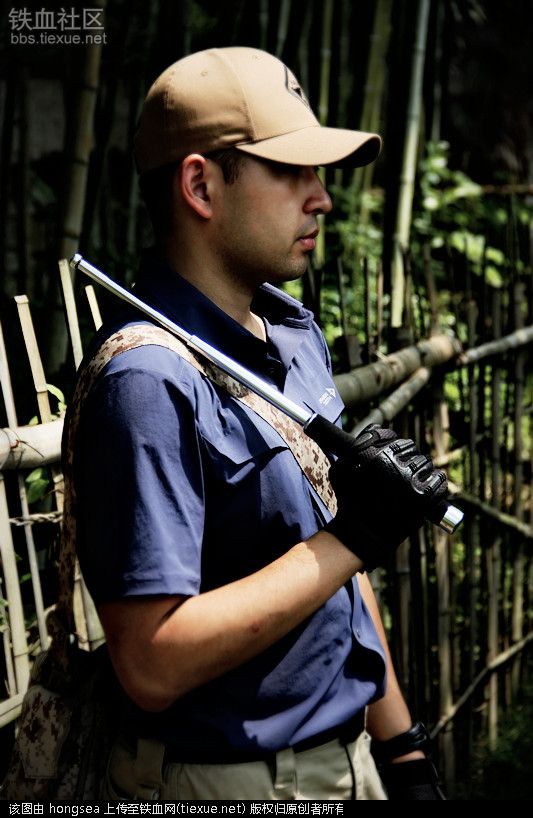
x: 368, y: 310
x: 71, y: 311
x: 39, y: 382
x: 407, y: 177
x: 437, y: 73
x: 514, y: 340
x: 6, y: 149
x: 493, y: 574
x: 493, y: 553
x: 23, y: 185
x: 453, y: 456
x: 283, y: 25
x: 325, y: 62
x: 444, y: 593
x: 14, y: 599
x: 471, y: 532
x: 506, y: 520
x: 517, y: 616
x: 87, y: 624
x: 508, y: 190
x: 396, y: 401
x: 419, y: 601
x: 78, y: 173
x: 37, y: 371
x: 497, y: 662
x: 431, y: 290
x: 9, y: 403
x: 379, y: 307
x: 376, y: 72
x: 263, y: 24
x: 345, y: 73
x: 367, y: 382
x: 10, y: 709
x: 303, y: 46
x: 323, y: 109
x: 28, y: 447
x: 93, y: 306
x: 342, y: 298
x: 11, y: 681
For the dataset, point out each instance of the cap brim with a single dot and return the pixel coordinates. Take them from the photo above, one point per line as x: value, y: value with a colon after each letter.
x: 317, y: 145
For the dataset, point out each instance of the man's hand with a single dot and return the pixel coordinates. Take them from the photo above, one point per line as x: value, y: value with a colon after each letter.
x: 407, y: 778
x: 412, y: 781
x: 384, y: 489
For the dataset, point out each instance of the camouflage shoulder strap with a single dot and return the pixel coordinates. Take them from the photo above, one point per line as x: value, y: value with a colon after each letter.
x: 306, y: 452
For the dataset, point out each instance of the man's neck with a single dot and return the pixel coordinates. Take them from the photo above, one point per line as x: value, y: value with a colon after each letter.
x: 226, y: 291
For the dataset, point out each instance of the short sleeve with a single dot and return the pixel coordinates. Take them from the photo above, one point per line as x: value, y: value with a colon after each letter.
x: 138, y: 476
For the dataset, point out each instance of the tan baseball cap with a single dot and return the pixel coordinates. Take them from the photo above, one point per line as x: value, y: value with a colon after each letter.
x: 241, y: 98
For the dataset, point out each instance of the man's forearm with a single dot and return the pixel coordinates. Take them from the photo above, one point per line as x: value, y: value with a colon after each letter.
x: 163, y: 648
x: 389, y: 716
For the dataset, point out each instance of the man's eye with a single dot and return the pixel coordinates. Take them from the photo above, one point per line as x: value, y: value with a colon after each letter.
x: 290, y: 170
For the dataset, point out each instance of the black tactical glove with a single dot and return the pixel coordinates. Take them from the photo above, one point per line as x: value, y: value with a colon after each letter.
x: 412, y: 781
x: 408, y: 780
x: 385, y: 488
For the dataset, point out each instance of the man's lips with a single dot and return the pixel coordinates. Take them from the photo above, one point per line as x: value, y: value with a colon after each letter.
x: 308, y: 240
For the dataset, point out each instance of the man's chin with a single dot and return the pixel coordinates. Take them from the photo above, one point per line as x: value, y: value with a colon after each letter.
x: 284, y: 276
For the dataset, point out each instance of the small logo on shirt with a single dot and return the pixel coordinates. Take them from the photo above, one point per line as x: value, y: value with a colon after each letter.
x: 328, y: 396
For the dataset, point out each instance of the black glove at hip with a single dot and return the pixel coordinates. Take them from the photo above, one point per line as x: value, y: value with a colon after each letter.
x: 412, y: 781
x: 385, y: 488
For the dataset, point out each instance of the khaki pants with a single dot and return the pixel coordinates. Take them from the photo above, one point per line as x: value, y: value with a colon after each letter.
x: 331, y: 771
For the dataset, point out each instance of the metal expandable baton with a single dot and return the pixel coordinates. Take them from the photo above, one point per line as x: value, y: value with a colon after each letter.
x: 328, y: 436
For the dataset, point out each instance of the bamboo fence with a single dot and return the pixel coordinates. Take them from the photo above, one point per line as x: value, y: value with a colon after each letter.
x: 458, y: 610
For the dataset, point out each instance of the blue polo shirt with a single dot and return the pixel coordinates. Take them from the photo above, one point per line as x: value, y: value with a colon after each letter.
x: 182, y: 489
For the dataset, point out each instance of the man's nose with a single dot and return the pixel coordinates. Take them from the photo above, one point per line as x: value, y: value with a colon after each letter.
x: 318, y: 200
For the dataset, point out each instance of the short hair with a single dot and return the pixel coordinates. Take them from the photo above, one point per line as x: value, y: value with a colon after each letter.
x: 156, y: 186
x: 230, y: 161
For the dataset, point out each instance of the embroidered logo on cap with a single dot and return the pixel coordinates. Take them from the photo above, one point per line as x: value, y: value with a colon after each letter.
x: 293, y: 87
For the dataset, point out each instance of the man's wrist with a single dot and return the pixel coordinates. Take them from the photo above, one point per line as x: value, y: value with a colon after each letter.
x: 416, y: 739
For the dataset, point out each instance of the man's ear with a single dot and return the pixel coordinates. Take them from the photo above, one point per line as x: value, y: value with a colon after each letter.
x: 194, y: 180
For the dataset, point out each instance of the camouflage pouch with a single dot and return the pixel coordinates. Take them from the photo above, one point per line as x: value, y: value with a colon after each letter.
x: 67, y: 723
x: 65, y: 731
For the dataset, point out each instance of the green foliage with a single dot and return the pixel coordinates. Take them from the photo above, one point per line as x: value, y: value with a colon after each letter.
x: 452, y: 211
x: 60, y: 397
x: 505, y: 773
x: 61, y: 405
x: 451, y: 214
x: 37, y: 484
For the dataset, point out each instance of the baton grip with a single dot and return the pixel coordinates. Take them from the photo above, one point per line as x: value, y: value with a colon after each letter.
x: 335, y: 441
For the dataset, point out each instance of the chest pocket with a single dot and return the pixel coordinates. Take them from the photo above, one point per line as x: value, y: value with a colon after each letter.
x: 235, y: 435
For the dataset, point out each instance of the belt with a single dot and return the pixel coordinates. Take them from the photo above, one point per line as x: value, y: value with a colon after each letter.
x: 345, y: 733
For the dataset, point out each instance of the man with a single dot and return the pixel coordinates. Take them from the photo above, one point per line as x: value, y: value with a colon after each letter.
x: 246, y: 642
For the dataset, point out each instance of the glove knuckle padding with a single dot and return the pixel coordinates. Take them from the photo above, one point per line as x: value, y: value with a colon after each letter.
x: 384, y: 488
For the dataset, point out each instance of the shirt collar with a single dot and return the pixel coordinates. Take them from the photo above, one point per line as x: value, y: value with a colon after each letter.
x: 174, y: 296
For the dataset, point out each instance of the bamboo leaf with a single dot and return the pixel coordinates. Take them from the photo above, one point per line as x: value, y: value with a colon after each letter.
x: 34, y: 475
x: 37, y: 490
x: 57, y: 393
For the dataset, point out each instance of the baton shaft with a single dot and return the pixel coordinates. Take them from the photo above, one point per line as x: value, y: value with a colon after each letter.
x: 328, y: 436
